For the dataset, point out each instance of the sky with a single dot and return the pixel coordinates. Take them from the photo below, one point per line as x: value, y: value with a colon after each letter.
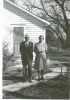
x: 37, y: 2
x: 20, y: 3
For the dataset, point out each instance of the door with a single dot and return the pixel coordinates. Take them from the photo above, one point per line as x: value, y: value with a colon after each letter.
x: 18, y: 37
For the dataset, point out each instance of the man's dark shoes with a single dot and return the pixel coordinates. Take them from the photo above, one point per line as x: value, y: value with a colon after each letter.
x: 30, y: 79
x: 49, y: 71
x: 25, y: 78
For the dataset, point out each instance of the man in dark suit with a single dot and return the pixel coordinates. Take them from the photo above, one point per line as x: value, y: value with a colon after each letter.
x: 26, y: 50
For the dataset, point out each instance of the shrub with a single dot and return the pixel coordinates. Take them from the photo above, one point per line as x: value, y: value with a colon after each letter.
x: 8, y: 58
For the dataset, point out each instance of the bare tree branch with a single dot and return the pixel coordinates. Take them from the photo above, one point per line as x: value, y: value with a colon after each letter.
x: 61, y: 5
x: 52, y: 17
x: 54, y: 11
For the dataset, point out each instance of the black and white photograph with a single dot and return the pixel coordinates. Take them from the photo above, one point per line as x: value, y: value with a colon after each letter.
x: 36, y: 49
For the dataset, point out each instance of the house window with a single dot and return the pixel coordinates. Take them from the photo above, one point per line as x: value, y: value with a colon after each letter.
x: 18, y: 36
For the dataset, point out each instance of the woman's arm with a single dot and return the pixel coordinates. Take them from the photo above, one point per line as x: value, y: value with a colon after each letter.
x: 35, y: 49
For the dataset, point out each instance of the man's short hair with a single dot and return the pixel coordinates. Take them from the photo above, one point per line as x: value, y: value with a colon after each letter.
x: 27, y: 35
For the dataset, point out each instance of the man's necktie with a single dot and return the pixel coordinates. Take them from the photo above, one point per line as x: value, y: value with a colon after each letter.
x: 27, y: 44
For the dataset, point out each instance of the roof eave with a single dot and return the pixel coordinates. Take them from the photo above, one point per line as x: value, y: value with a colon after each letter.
x: 25, y: 14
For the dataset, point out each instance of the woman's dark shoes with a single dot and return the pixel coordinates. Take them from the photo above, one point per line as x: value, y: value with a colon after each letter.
x: 38, y: 79
x: 42, y: 78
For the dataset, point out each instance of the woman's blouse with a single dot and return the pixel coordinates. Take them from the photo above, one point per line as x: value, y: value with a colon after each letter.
x: 40, y: 47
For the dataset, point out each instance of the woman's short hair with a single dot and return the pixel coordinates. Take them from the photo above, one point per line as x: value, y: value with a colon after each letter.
x: 41, y: 36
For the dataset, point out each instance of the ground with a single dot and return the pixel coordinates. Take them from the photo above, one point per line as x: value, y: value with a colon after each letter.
x: 52, y: 88
x: 56, y: 88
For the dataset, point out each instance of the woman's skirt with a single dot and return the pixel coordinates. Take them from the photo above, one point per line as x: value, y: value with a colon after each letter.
x: 40, y: 62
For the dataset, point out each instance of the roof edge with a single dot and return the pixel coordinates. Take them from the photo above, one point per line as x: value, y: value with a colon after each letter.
x: 42, y: 20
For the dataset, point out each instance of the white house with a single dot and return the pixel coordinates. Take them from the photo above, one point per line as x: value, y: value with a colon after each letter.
x: 18, y: 22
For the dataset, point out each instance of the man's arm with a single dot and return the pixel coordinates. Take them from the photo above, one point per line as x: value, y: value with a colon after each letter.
x: 46, y: 48
x: 35, y: 49
x: 32, y: 47
x: 20, y: 47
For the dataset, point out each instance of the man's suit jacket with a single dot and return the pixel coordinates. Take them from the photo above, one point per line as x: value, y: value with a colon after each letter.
x: 26, y: 52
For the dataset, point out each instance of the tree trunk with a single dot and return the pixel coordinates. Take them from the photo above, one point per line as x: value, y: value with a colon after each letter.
x: 68, y: 38
x: 63, y: 43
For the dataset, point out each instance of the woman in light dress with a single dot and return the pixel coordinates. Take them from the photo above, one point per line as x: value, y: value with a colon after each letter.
x: 40, y: 50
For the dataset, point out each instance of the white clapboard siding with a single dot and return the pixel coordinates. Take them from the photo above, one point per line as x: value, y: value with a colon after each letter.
x: 11, y: 19
x: 8, y: 38
x: 34, y: 32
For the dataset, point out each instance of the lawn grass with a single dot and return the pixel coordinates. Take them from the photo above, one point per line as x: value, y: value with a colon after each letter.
x: 57, y: 88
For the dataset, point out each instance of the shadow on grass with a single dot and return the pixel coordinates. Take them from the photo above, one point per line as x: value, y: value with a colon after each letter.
x: 14, y: 78
x: 57, y: 88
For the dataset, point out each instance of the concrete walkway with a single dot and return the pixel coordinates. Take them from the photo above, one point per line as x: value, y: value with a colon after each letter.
x: 18, y: 86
